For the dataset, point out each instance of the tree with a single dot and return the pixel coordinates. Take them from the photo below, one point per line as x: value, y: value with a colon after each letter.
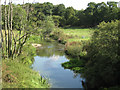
x: 103, y: 66
x: 47, y: 9
x: 19, y: 17
x: 69, y: 12
x: 56, y: 20
x: 13, y: 41
x: 48, y: 26
x: 59, y: 10
x: 113, y: 10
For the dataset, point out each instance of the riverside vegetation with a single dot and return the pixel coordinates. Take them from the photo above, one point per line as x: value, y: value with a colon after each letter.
x: 95, y: 52
x: 96, y: 56
x: 18, y: 74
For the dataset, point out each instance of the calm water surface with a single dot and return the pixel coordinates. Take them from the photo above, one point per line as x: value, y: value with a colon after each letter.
x: 48, y: 63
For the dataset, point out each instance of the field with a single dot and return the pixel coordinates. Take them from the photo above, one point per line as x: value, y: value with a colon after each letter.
x: 78, y: 34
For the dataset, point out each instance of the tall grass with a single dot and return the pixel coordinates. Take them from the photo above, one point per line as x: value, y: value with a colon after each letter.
x: 18, y: 75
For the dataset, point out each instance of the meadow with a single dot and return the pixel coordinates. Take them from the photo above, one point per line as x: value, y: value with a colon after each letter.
x: 76, y: 34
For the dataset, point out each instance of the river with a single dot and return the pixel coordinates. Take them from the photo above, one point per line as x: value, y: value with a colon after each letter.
x: 48, y: 63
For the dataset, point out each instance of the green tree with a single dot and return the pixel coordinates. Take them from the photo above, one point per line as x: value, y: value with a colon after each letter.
x: 19, y: 17
x: 59, y: 10
x: 47, y: 9
x: 47, y: 27
x: 103, y: 66
x: 69, y: 12
x: 113, y: 10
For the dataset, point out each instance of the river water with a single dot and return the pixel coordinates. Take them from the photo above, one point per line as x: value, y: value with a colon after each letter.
x: 48, y: 64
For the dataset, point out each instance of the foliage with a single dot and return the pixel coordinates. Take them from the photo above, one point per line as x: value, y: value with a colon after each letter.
x: 59, y: 35
x: 75, y: 65
x: 102, y: 68
x: 18, y: 75
x: 48, y: 26
x: 27, y: 55
x: 90, y: 17
x: 56, y: 20
x: 75, y: 49
x: 19, y: 19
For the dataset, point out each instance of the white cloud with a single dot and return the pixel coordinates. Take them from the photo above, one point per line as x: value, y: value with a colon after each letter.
x: 54, y: 58
x: 77, y: 4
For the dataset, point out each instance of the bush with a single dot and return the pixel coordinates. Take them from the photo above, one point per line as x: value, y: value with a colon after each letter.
x: 27, y: 55
x: 103, y: 66
x: 59, y: 35
x: 75, y: 49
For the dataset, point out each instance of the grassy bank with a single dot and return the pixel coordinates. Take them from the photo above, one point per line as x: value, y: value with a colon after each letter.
x: 76, y: 41
x: 17, y: 73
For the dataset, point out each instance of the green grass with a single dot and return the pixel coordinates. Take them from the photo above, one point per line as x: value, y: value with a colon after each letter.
x: 34, y: 39
x: 18, y: 75
x: 77, y: 39
x: 78, y: 34
x: 75, y: 65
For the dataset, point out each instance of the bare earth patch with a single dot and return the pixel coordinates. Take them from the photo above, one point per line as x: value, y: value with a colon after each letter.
x: 36, y: 45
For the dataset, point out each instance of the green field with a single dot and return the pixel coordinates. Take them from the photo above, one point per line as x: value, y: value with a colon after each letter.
x: 78, y: 34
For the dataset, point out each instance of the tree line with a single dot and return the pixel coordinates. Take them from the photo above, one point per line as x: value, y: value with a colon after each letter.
x: 103, y: 55
x: 90, y: 17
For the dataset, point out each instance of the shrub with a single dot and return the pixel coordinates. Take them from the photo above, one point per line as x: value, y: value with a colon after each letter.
x: 75, y: 49
x: 59, y: 35
x: 103, y: 67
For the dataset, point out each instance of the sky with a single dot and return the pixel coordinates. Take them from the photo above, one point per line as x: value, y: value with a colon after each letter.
x: 76, y: 4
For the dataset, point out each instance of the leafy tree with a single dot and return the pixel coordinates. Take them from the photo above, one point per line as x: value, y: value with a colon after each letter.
x: 103, y: 66
x: 56, y: 19
x: 48, y: 26
x: 113, y: 10
x: 59, y: 10
x: 19, y: 17
x: 47, y: 9
x: 69, y: 12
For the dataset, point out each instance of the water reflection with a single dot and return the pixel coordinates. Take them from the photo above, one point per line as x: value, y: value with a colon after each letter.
x: 48, y: 63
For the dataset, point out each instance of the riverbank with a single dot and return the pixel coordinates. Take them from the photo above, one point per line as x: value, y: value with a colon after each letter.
x: 17, y: 73
x: 94, y: 59
x: 75, y: 41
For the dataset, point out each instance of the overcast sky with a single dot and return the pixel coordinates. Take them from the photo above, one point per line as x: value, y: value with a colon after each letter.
x: 77, y: 4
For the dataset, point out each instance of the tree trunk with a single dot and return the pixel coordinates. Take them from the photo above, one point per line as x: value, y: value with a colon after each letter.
x: 2, y: 40
x: 11, y: 10
x: 5, y: 28
x: 9, y: 30
x: 14, y: 51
